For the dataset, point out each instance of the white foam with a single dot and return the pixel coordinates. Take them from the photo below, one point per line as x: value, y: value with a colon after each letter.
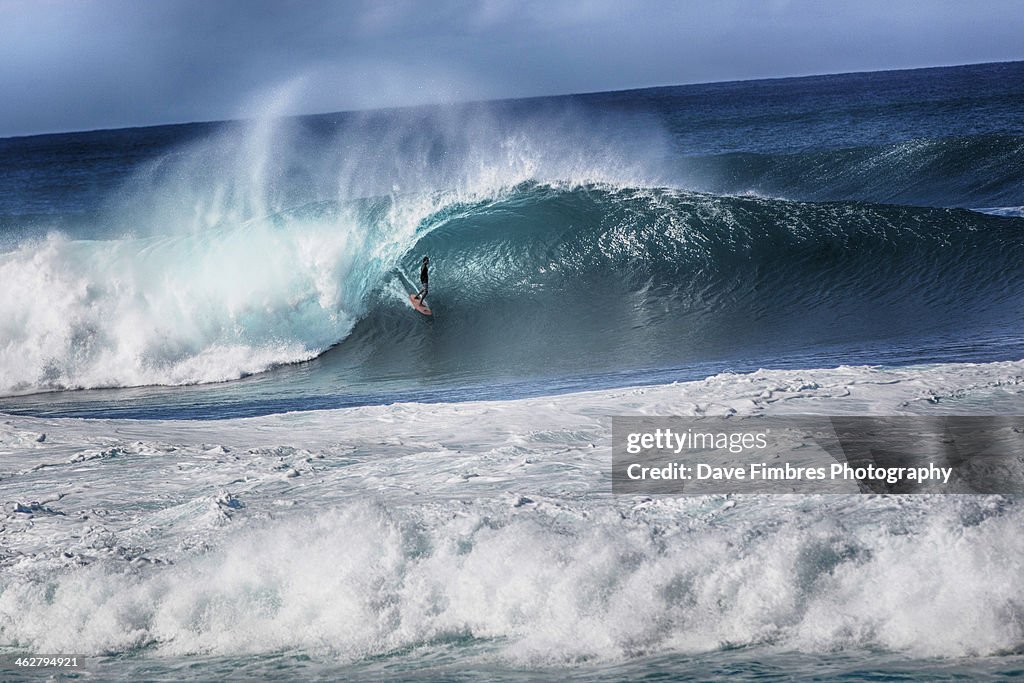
x: 197, y: 308
x: 411, y: 524
x: 1013, y: 211
x: 555, y: 585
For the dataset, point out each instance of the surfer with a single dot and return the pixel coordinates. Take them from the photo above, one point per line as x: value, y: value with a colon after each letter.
x: 423, y: 279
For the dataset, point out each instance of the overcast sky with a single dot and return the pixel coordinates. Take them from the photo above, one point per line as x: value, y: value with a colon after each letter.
x: 84, y: 64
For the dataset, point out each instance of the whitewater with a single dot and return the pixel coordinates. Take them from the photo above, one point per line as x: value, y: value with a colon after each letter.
x: 228, y: 447
x: 411, y: 540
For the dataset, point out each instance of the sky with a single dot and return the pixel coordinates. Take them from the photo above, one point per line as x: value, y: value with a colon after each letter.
x: 86, y: 64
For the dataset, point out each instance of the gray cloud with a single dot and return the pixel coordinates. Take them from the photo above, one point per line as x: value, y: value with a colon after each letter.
x: 80, y: 64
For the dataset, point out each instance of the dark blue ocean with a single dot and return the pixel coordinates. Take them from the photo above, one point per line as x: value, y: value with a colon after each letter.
x: 833, y: 245
x: 244, y: 268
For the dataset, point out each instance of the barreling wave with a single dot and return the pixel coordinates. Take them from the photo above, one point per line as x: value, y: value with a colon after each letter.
x: 535, y: 279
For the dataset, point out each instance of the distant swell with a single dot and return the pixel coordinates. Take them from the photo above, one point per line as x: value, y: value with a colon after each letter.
x: 981, y: 170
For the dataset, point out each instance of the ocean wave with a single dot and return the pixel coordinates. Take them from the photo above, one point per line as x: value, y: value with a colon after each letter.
x: 534, y: 274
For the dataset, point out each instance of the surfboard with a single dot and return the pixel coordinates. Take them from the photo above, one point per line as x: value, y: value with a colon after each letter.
x: 411, y: 289
x: 419, y: 305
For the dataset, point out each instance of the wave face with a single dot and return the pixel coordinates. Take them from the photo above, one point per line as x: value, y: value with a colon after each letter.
x: 563, y: 280
x: 612, y: 234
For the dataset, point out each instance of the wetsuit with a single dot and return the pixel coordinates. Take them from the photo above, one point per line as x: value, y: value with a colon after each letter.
x: 424, y: 277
